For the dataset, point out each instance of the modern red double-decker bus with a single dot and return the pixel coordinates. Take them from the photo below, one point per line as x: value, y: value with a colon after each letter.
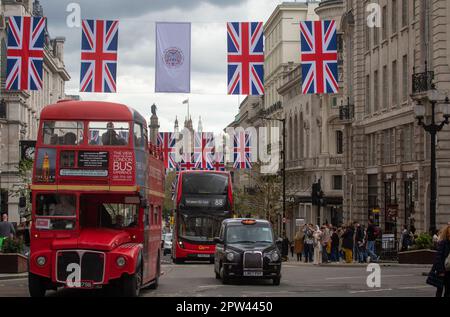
x: 97, y: 197
x: 203, y: 199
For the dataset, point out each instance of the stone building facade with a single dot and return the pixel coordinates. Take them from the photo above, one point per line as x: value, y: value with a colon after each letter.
x: 19, y: 113
x: 387, y: 155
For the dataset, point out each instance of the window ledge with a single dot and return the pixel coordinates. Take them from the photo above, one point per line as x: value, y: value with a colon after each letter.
x: 393, y: 36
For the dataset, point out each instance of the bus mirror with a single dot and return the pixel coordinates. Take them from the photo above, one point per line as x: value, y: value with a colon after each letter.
x: 144, y: 203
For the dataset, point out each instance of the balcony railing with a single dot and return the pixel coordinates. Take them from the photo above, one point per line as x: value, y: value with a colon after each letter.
x: 346, y: 112
x: 422, y: 82
x: 336, y: 160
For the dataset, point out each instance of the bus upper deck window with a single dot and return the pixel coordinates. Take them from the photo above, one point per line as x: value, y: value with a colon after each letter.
x: 109, y: 133
x: 62, y: 133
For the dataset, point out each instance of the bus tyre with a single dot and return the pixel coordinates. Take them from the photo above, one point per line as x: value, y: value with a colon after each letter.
x: 277, y: 280
x: 36, y: 285
x: 131, y: 284
x: 178, y: 261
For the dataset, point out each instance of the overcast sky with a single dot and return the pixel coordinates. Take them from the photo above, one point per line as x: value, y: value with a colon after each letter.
x: 136, y: 61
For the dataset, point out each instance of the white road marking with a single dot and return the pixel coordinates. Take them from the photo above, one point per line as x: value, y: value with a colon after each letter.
x: 416, y: 287
x: 365, y: 276
x: 370, y: 291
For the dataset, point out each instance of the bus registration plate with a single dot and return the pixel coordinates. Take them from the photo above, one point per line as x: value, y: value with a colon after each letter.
x: 203, y: 255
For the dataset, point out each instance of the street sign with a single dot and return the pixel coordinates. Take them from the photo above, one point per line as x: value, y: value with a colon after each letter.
x: 299, y: 222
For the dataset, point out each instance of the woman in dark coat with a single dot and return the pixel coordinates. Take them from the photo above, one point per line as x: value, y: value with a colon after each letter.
x: 443, y: 250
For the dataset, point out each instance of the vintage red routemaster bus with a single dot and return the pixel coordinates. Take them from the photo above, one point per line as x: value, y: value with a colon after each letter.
x: 203, y: 199
x: 97, y: 197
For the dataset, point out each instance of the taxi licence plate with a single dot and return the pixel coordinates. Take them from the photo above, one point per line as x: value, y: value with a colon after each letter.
x: 253, y: 273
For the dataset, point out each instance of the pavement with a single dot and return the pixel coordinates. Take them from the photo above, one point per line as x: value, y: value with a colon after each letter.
x: 298, y: 280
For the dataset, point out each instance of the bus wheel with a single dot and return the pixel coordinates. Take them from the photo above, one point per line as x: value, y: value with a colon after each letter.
x: 36, y: 285
x: 131, y: 284
x: 178, y: 261
x: 155, y: 283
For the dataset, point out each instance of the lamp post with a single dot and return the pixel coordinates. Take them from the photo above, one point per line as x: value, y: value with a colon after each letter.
x: 432, y: 128
x: 283, y: 170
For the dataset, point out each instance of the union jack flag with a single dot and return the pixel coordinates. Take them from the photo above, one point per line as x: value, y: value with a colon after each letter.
x: 99, y: 42
x: 319, y: 57
x: 187, y: 164
x: 242, y: 151
x: 94, y: 137
x: 218, y: 166
x: 167, y: 142
x: 25, y: 53
x: 204, y: 150
x: 245, y: 58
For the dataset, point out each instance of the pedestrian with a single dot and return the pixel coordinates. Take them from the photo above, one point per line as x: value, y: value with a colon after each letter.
x: 285, y: 247
x: 334, y: 246
x: 439, y: 275
x: 360, y: 243
x: 6, y: 228
x: 435, y: 239
x: 291, y: 245
x: 326, y: 244
x: 309, y: 242
x: 347, y: 244
x: 318, y: 247
x: 299, y: 244
x: 406, y: 239
x: 371, y: 238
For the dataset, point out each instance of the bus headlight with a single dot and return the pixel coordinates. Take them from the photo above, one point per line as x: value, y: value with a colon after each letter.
x: 41, y: 260
x: 120, y: 261
x: 180, y: 243
x: 230, y: 256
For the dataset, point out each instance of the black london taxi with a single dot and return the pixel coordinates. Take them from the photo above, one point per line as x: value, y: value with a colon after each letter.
x: 246, y: 248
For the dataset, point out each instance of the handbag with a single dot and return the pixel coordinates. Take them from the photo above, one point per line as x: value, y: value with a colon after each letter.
x: 447, y: 263
x: 435, y: 280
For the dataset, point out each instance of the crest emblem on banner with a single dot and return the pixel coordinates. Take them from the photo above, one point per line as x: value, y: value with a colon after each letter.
x: 173, y: 57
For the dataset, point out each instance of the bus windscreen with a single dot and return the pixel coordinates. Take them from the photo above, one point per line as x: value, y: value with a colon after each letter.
x: 205, y: 184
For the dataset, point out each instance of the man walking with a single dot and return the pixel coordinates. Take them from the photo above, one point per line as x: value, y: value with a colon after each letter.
x: 6, y: 228
x: 371, y: 237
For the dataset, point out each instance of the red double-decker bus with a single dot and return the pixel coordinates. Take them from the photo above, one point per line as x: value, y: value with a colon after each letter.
x: 97, y: 197
x: 203, y: 199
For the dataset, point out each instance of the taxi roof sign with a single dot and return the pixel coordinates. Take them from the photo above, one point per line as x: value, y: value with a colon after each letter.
x: 248, y: 221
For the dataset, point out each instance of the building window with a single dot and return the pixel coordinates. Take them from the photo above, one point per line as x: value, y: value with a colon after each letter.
x: 2, y: 109
x: 337, y: 182
x: 339, y: 142
x: 3, y: 201
x: 372, y: 186
x: 376, y: 36
x: 394, y: 13
x: 371, y: 150
x: 390, y: 206
x: 389, y: 146
x: 376, y: 91
x: 385, y: 87
x: 408, y: 143
x: 405, y: 13
x: 405, y: 78
x: 368, y: 108
x: 384, y: 22
x: 394, y: 83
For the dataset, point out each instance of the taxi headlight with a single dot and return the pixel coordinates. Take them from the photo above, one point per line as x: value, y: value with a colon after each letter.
x: 120, y: 261
x: 230, y: 256
x: 41, y: 260
x: 274, y: 256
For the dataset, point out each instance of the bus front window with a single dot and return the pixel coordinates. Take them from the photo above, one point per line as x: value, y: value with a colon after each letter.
x: 199, y: 228
x: 56, y: 211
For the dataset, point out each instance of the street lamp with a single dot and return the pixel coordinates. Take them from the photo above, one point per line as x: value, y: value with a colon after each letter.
x: 283, y: 170
x: 433, y: 128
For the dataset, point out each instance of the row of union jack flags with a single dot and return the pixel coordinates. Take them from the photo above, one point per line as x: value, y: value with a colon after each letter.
x: 204, y: 156
x: 99, y: 51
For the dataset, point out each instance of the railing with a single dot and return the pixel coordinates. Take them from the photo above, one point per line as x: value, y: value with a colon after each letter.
x: 422, y: 82
x: 346, y: 112
x: 336, y: 160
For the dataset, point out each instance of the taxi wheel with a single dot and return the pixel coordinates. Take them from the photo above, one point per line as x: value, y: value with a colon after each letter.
x: 217, y: 275
x: 277, y: 280
x: 36, y: 285
x: 223, y: 275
